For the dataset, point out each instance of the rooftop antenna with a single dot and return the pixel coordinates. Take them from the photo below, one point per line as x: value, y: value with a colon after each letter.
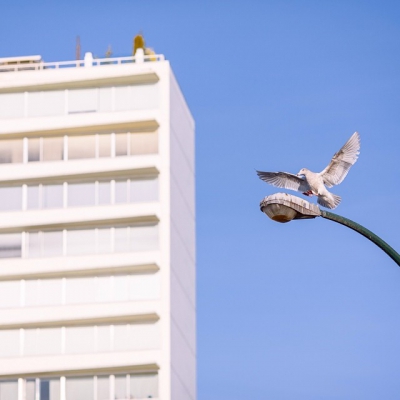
x: 78, y: 48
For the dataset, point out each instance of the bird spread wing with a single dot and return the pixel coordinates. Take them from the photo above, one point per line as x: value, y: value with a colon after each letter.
x: 284, y: 180
x: 341, y: 162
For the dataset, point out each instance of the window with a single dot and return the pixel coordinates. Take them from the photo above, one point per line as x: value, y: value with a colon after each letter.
x: 144, y: 287
x: 10, y: 198
x: 143, y: 143
x: 43, y: 292
x: 144, y: 96
x: 10, y: 245
x: 143, y: 386
x: 50, y: 389
x: 44, y: 244
x: 103, y: 388
x: 9, y: 343
x: 122, y: 98
x: 43, y: 104
x: 11, y: 106
x: 34, y: 150
x: 144, y: 238
x: 120, y: 391
x: 79, y: 388
x: 121, y: 144
x: 144, y: 190
x: 79, y: 340
x: 53, y: 149
x: 136, y: 97
x: 81, y: 241
x: 82, y: 100
x: 104, y: 289
x: 121, y: 288
x: 103, y: 242
x: 105, y: 99
x: 80, y: 147
x: 30, y: 389
x: 80, y: 290
x: 33, y: 197
x: 132, y: 386
x: 52, y: 196
x: 53, y: 102
x: 11, y: 151
x: 42, y: 341
x: 34, y: 244
x: 121, y: 337
x: 9, y: 390
x: 52, y: 244
x: 135, y: 337
x: 81, y: 194
x: 9, y: 294
x: 48, y: 292
x: 121, y: 192
x: 45, y: 149
x: 104, y: 149
x: 121, y: 240
x: 104, y: 196
x: 103, y: 339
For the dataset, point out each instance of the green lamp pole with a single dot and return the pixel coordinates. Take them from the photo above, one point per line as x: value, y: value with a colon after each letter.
x: 390, y: 251
x: 283, y: 207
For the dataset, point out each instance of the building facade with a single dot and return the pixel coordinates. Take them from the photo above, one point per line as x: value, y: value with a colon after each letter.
x: 97, y: 231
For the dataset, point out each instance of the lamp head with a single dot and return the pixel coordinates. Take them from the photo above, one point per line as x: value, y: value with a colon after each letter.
x: 283, y: 207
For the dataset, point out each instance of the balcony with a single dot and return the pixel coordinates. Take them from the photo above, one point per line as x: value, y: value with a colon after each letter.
x: 35, y: 63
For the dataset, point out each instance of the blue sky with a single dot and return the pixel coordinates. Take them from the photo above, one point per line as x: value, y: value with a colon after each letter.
x: 305, y: 310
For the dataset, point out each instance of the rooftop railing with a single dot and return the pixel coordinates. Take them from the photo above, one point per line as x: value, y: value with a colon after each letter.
x: 89, y: 61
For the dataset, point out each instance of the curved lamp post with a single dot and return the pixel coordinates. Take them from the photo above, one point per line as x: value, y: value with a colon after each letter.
x: 283, y: 207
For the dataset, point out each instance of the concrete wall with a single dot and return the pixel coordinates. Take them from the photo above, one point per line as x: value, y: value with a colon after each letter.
x: 183, y: 248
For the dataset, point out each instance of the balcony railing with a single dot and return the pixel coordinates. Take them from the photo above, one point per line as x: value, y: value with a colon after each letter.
x: 91, y: 62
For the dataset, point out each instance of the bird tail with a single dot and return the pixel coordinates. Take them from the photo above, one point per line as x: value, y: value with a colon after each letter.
x: 329, y: 201
x: 336, y: 199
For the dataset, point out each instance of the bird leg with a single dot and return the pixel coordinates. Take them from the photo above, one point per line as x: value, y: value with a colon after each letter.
x: 308, y: 193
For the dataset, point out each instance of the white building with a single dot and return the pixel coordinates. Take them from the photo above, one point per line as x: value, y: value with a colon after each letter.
x: 97, y: 231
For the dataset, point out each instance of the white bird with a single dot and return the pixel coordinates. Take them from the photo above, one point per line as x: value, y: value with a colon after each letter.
x: 313, y: 183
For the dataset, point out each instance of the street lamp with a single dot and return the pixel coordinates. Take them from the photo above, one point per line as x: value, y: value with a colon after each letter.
x: 283, y: 207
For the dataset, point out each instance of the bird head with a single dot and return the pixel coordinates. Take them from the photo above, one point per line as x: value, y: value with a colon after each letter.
x: 302, y: 172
